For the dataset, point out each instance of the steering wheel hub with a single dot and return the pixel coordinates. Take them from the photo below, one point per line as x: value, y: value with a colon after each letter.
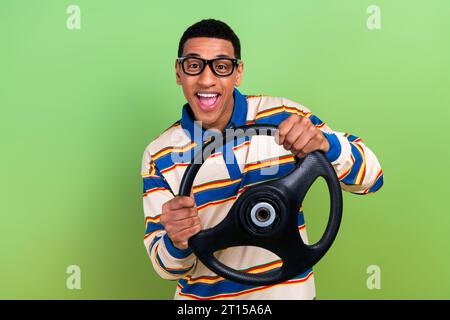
x: 263, y: 214
x: 260, y: 214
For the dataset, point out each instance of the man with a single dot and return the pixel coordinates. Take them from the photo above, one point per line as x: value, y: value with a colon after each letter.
x: 209, y: 70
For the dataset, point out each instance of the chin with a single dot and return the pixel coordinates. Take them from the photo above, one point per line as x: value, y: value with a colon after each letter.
x: 208, y: 122
x: 208, y: 118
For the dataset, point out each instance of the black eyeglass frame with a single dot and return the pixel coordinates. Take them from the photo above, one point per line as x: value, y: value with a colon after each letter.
x: 236, y: 62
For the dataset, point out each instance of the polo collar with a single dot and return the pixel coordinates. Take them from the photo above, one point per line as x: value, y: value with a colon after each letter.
x: 193, y: 129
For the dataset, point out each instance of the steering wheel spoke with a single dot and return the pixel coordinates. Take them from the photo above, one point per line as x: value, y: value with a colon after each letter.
x: 228, y: 233
x: 297, y: 183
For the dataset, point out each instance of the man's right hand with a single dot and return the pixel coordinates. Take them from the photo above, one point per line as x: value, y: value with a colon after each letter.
x: 180, y: 220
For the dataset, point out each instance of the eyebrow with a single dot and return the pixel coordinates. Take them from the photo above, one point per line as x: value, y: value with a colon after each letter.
x: 197, y: 55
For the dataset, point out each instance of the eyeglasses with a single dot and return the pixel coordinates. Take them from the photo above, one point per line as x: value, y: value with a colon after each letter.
x: 221, y: 67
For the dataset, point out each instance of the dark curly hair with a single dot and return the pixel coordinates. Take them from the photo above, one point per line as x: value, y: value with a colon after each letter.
x: 211, y: 28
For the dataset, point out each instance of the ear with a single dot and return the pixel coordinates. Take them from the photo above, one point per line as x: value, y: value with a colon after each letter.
x: 177, y: 72
x: 239, y: 73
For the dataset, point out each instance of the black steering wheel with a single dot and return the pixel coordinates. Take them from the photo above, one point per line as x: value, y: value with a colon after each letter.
x: 265, y: 215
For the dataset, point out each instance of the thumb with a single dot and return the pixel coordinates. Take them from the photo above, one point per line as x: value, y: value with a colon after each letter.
x: 192, y: 195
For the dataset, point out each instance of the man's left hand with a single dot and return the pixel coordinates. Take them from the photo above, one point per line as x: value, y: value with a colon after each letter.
x: 300, y: 136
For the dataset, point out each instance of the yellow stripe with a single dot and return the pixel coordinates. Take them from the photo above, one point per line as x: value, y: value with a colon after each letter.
x: 281, y: 109
x: 242, y: 145
x: 214, y: 185
x: 154, y: 219
x: 154, y: 190
x: 268, y: 268
x: 362, y: 170
x: 173, y: 167
x: 152, y: 168
x: 160, y: 153
x: 251, y: 97
x: 270, y: 162
x: 215, y: 203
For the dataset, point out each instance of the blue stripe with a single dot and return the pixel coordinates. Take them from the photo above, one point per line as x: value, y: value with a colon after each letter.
x: 350, y: 178
x: 150, y: 183
x: 154, y: 182
x: 335, y: 146
x: 175, y: 252
x: 352, y: 137
x: 233, y: 169
x: 151, y: 226
x: 224, y: 286
x: 216, y: 194
x: 167, y: 160
x: 377, y: 184
x: 315, y: 120
x: 300, y: 219
x: 228, y: 154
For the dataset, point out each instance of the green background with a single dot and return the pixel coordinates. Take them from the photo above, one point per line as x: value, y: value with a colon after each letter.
x: 78, y: 108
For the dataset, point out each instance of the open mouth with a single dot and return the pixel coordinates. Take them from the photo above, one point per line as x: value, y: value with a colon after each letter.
x: 207, y: 101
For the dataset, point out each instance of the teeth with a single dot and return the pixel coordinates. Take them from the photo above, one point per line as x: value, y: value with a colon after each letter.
x: 207, y: 95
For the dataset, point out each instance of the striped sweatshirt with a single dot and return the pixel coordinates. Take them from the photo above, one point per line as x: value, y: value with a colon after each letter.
x: 219, y: 183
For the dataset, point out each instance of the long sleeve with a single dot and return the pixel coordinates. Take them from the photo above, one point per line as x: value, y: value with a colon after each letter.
x: 355, y: 164
x: 168, y: 261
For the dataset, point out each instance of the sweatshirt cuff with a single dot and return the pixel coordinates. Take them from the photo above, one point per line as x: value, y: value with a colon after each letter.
x: 335, y: 147
x: 174, y: 251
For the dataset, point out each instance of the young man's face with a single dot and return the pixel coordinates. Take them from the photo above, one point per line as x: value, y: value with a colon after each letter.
x: 210, y: 96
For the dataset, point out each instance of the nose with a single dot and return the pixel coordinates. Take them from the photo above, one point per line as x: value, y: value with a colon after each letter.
x: 207, y: 77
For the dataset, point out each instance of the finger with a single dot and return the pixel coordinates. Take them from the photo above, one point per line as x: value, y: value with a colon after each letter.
x: 300, y: 143
x: 294, y: 134
x: 181, y: 202
x: 177, y: 226
x: 310, y: 146
x: 184, y: 235
x: 180, y: 214
x: 284, y: 127
x: 314, y: 144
